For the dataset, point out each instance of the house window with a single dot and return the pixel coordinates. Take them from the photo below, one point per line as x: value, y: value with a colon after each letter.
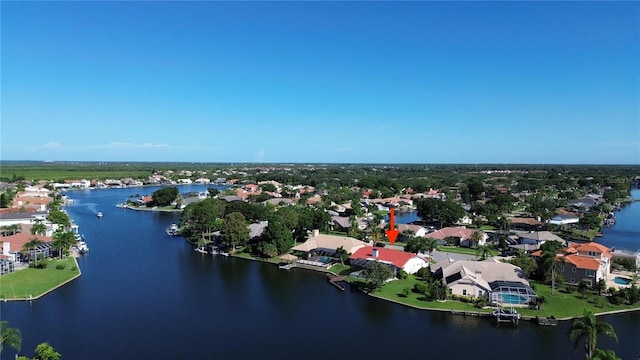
x: 591, y: 253
x: 573, y: 270
x: 464, y: 292
x: 572, y: 280
x: 590, y: 273
x: 479, y: 292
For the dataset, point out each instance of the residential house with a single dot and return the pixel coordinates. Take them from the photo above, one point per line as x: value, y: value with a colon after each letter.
x: 587, y: 262
x: 12, y: 246
x: 323, y: 244
x: 520, y: 223
x: 502, y: 283
x: 461, y: 236
x: 395, y: 259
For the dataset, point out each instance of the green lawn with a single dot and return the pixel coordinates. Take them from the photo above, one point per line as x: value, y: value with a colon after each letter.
x: 244, y: 255
x: 562, y: 305
x: 393, y: 290
x: 36, y: 282
x: 462, y: 250
x: 339, y: 269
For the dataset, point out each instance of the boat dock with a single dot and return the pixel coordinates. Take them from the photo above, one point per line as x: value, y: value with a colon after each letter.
x: 506, y: 316
x: 337, y: 281
x: 547, y: 321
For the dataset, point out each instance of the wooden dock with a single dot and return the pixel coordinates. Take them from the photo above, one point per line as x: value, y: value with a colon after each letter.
x: 335, y: 280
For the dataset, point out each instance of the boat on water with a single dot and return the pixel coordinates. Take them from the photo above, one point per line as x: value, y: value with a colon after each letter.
x: 201, y: 250
x: 99, y: 214
x: 172, y: 230
x: 82, y: 247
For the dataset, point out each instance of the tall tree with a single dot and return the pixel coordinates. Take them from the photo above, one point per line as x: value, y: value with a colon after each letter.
x: 483, y: 251
x: 58, y: 217
x: 234, y: 230
x: 279, y: 235
x: 587, y: 329
x: 342, y: 254
x: 62, y: 241
x: 9, y: 336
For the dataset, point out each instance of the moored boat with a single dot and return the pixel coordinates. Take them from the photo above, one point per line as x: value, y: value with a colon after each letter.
x: 99, y: 214
x: 172, y: 230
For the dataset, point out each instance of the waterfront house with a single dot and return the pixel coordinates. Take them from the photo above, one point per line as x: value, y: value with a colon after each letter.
x: 588, y: 262
x: 323, y: 244
x: 502, y: 283
x: 395, y: 259
x: 12, y: 247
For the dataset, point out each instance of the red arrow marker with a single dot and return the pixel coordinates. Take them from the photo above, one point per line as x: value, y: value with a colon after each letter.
x: 392, y: 233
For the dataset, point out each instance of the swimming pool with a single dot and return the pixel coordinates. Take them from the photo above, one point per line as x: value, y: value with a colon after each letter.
x: 621, y: 281
x: 324, y: 259
x: 513, y: 299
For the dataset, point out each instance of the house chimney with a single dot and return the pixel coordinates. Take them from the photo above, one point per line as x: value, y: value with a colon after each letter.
x: 478, y: 275
x: 375, y: 252
x: 316, y: 232
x: 6, y: 248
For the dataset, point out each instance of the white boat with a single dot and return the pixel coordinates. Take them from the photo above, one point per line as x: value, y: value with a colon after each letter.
x: 82, y: 247
x: 172, y: 230
x: 99, y: 214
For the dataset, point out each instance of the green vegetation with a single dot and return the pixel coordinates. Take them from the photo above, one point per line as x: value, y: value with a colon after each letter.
x: 586, y: 329
x: 165, y: 196
x: 466, y: 251
x: 34, y: 282
x: 9, y: 336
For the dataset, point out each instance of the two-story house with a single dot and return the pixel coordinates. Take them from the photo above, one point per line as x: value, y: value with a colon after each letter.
x: 588, y: 262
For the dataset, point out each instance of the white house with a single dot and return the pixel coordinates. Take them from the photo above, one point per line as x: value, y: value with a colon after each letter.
x: 397, y: 259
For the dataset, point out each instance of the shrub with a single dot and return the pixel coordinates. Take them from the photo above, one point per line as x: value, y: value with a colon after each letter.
x: 74, y: 268
x: 405, y: 292
x: 420, y: 288
x: 402, y: 274
x: 60, y: 266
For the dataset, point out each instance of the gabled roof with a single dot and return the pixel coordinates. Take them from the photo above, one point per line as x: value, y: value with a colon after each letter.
x: 397, y: 258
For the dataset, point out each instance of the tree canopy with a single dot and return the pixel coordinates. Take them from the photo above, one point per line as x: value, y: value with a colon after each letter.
x: 234, y: 230
x: 165, y: 196
x: 376, y: 274
x: 444, y: 212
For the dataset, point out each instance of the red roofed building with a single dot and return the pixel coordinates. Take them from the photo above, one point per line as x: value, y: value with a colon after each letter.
x: 396, y: 259
x: 12, y: 246
x: 587, y: 262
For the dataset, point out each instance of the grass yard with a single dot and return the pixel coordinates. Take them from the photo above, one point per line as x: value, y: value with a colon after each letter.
x: 393, y: 291
x: 36, y: 282
x: 466, y: 251
x: 244, y: 255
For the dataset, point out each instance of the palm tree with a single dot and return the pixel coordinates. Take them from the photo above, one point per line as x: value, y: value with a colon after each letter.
x: 430, y: 245
x: 549, y: 263
x: 483, y: 251
x: 600, y: 354
x: 9, y: 336
x: 587, y: 328
x: 62, y: 241
x: 342, y: 254
x: 38, y: 228
x: 477, y: 237
x: 30, y: 245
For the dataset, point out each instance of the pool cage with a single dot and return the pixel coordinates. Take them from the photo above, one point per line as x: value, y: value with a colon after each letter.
x: 512, y: 293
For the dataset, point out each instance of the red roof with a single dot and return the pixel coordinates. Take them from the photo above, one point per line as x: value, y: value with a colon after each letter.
x: 582, y: 262
x: 396, y: 257
x: 17, y: 241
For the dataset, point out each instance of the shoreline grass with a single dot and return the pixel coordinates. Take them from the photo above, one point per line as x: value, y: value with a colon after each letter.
x: 31, y: 284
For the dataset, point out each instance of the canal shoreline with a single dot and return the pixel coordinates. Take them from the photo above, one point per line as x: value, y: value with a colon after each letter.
x: 55, y: 287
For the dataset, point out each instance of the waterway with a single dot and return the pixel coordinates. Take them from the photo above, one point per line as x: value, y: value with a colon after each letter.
x: 145, y: 295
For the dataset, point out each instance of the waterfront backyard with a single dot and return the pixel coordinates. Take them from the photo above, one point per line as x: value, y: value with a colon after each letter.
x: 32, y: 283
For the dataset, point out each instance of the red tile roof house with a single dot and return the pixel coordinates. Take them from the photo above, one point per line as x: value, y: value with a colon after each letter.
x: 588, y: 262
x: 460, y: 235
x: 396, y: 259
x: 12, y: 246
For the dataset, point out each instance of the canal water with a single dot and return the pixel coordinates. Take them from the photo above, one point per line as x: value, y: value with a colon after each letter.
x: 145, y: 295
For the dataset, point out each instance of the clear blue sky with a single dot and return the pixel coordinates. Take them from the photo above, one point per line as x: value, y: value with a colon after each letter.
x: 372, y: 82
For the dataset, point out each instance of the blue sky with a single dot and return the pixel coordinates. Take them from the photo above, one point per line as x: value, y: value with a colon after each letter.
x: 363, y: 82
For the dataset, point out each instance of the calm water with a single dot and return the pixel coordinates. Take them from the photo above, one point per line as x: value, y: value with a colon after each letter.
x: 145, y: 295
x: 625, y: 234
